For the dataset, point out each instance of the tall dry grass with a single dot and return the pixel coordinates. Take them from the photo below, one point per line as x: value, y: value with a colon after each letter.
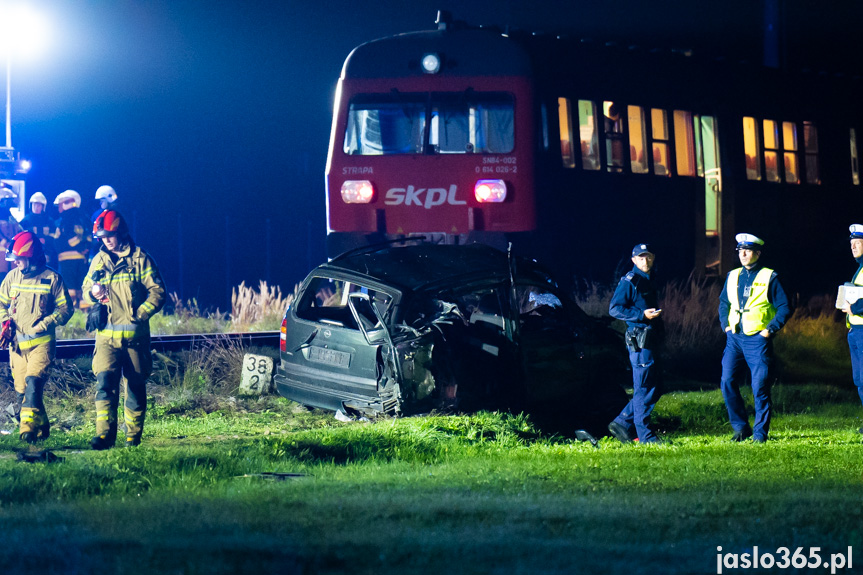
x: 261, y: 309
x: 811, y: 348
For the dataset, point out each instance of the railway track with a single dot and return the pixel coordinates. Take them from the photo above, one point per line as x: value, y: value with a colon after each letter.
x: 71, y: 348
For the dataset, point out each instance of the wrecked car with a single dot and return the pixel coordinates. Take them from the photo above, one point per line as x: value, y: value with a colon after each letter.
x: 401, y: 330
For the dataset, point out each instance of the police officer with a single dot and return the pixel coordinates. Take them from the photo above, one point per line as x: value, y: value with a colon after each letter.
x: 126, y: 289
x: 33, y: 301
x: 752, y: 308
x: 635, y: 302
x: 854, y: 311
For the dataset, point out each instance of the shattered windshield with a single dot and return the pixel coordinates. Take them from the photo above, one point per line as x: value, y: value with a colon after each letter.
x: 326, y: 301
x: 449, y: 123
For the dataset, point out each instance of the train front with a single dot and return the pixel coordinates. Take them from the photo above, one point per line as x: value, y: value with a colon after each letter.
x: 433, y: 134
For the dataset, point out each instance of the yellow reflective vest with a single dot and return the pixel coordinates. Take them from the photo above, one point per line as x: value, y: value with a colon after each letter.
x: 757, y: 310
x: 852, y: 319
x: 35, y: 304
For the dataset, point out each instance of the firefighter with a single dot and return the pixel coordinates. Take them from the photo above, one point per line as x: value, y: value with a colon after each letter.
x: 854, y: 313
x: 9, y: 226
x: 33, y: 302
x: 107, y: 198
x: 40, y: 223
x: 73, y: 243
x: 125, y: 289
x: 752, y: 308
x: 635, y: 302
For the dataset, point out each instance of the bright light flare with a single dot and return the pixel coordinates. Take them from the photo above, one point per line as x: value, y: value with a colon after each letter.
x: 24, y: 32
x: 357, y: 192
x: 490, y: 191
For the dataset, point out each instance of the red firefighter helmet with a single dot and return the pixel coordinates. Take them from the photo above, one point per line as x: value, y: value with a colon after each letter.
x: 110, y: 223
x: 26, y: 245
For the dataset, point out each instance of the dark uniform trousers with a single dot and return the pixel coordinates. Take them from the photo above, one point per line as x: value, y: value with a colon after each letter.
x: 646, y: 391
x: 855, y: 344
x: 756, y: 352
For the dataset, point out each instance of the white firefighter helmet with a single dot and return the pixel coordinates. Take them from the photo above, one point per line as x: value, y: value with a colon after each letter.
x: 6, y: 191
x: 68, y: 195
x: 106, y: 193
x: 39, y: 198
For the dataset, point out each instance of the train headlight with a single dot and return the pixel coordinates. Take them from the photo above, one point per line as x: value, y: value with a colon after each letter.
x: 431, y: 63
x: 490, y: 191
x: 357, y: 192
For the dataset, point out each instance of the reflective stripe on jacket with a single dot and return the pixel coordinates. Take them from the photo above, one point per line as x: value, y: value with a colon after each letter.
x: 36, y: 304
x: 852, y: 319
x: 758, y: 311
x: 135, y: 293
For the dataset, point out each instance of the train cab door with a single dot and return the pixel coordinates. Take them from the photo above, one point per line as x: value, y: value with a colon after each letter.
x: 707, y: 139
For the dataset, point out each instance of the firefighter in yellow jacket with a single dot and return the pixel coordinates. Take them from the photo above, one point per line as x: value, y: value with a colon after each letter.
x: 33, y: 301
x: 125, y: 289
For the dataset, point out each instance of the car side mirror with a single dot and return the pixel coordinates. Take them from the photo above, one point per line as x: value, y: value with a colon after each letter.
x: 367, y: 317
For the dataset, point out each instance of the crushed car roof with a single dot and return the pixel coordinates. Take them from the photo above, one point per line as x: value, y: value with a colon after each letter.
x: 427, y: 265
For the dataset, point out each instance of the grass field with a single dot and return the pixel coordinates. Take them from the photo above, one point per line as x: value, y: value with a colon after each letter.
x: 484, y: 493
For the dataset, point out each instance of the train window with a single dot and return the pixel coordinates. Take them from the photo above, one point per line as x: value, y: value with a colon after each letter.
x: 752, y: 148
x: 637, y: 140
x: 587, y: 134
x: 789, y: 144
x: 564, y: 113
x: 771, y: 150
x: 659, y: 131
x: 476, y: 126
x: 684, y: 144
x: 810, y: 148
x: 855, y: 163
x: 457, y: 124
x: 385, y: 127
x: 614, y: 136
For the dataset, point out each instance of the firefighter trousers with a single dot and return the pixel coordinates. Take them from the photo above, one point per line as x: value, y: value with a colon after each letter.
x: 30, y: 370
x: 110, y: 364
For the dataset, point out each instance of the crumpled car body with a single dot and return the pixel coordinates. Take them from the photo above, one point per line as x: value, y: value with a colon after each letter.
x: 402, y: 330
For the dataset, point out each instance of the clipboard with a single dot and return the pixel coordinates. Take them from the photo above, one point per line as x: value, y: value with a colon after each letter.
x: 848, y: 292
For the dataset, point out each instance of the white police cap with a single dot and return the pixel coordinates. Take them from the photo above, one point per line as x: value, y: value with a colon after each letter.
x: 749, y: 242
x: 856, y: 231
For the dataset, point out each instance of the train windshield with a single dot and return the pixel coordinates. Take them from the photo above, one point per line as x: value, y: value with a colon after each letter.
x: 461, y: 123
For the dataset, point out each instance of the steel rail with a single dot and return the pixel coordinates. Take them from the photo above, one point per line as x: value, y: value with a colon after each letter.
x: 71, y: 348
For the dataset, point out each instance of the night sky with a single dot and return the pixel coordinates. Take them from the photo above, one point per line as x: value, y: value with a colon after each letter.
x: 215, y: 115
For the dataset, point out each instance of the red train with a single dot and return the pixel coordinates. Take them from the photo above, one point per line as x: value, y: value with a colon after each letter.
x: 574, y: 151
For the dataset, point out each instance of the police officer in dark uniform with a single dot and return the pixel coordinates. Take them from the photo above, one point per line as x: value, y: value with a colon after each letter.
x: 752, y: 308
x: 854, y: 311
x: 634, y: 302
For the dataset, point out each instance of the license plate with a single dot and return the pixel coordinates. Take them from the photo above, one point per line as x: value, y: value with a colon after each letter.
x: 329, y: 356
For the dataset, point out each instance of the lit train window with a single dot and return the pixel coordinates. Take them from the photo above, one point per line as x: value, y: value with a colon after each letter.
x: 614, y: 137
x: 771, y: 150
x: 661, y: 146
x: 855, y: 163
x: 587, y: 134
x: 457, y: 124
x: 810, y: 148
x: 752, y: 149
x: 564, y: 113
x: 637, y: 139
x: 684, y: 144
x: 789, y: 144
